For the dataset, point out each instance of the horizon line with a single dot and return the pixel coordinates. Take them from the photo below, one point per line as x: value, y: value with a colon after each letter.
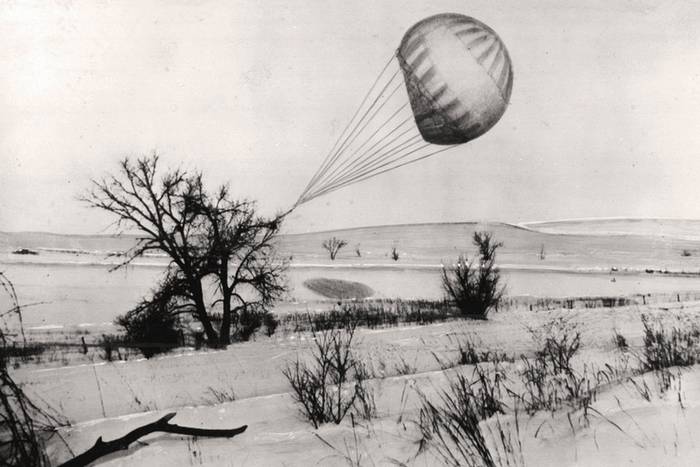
x: 523, y: 225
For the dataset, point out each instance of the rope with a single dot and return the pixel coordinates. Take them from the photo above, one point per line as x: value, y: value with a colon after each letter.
x: 369, y: 92
x: 340, y: 150
x: 387, y: 152
x: 342, y: 166
x: 383, y: 171
x: 402, y: 146
x: 349, y: 162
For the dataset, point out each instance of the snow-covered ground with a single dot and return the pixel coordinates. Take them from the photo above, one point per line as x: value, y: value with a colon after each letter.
x: 109, y: 399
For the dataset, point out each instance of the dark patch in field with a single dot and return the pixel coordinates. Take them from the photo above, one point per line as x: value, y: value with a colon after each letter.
x: 338, y: 289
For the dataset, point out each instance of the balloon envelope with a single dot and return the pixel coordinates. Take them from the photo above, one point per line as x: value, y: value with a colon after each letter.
x: 458, y: 75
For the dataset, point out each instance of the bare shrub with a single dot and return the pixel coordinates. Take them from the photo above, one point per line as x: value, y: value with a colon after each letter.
x: 559, y: 341
x: 333, y: 246
x: 249, y: 320
x: 474, y: 287
x: 270, y: 322
x: 153, y: 326
x: 333, y: 382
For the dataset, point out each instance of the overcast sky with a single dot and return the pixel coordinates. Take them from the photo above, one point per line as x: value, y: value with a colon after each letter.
x: 602, y: 121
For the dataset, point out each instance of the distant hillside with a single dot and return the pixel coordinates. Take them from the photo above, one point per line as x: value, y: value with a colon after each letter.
x: 88, y: 244
x: 435, y: 243
x: 597, y: 244
x: 688, y: 229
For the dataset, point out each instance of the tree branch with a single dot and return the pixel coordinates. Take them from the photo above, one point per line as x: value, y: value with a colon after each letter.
x: 102, y: 448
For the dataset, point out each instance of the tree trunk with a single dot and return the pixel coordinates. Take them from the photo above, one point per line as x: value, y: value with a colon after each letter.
x: 201, y: 311
x: 225, y: 331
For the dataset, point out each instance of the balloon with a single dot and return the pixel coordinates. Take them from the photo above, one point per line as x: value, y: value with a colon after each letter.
x: 459, y: 78
x: 458, y: 75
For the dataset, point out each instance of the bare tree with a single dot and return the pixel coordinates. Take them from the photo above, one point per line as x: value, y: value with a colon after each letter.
x: 242, y: 257
x: 333, y: 245
x: 395, y: 254
x: 203, y: 235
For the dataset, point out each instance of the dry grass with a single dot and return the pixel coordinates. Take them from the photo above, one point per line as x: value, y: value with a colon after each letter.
x: 24, y: 426
x: 453, y: 428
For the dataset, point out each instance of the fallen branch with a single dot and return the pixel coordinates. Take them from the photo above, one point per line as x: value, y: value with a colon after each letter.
x: 102, y: 448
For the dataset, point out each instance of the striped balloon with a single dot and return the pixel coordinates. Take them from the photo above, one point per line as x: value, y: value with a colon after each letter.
x: 458, y: 75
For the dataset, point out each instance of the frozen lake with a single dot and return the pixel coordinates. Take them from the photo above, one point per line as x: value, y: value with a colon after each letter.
x: 69, y: 294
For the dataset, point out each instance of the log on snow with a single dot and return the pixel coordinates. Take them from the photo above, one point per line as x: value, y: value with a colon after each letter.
x: 102, y: 448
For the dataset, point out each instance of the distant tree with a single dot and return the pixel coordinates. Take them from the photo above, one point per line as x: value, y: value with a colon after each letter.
x: 333, y: 245
x: 204, y: 235
x: 395, y: 254
x: 475, y: 288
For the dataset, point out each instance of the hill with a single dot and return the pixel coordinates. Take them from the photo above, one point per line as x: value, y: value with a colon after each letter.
x: 688, y: 229
x: 584, y: 244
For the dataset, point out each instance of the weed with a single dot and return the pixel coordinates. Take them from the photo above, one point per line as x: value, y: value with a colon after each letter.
x: 620, y: 341
x: 470, y: 355
x: 110, y: 345
x: 404, y: 368
x: 333, y: 382
x: 222, y: 395
x: 452, y: 430
x: 665, y: 348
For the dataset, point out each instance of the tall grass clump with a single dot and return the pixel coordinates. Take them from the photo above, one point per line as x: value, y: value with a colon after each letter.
x: 372, y: 314
x: 333, y: 381
x: 550, y: 380
x: 665, y: 348
x: 465, y: 426
x: 475, y: 286
x: 24, y: 426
